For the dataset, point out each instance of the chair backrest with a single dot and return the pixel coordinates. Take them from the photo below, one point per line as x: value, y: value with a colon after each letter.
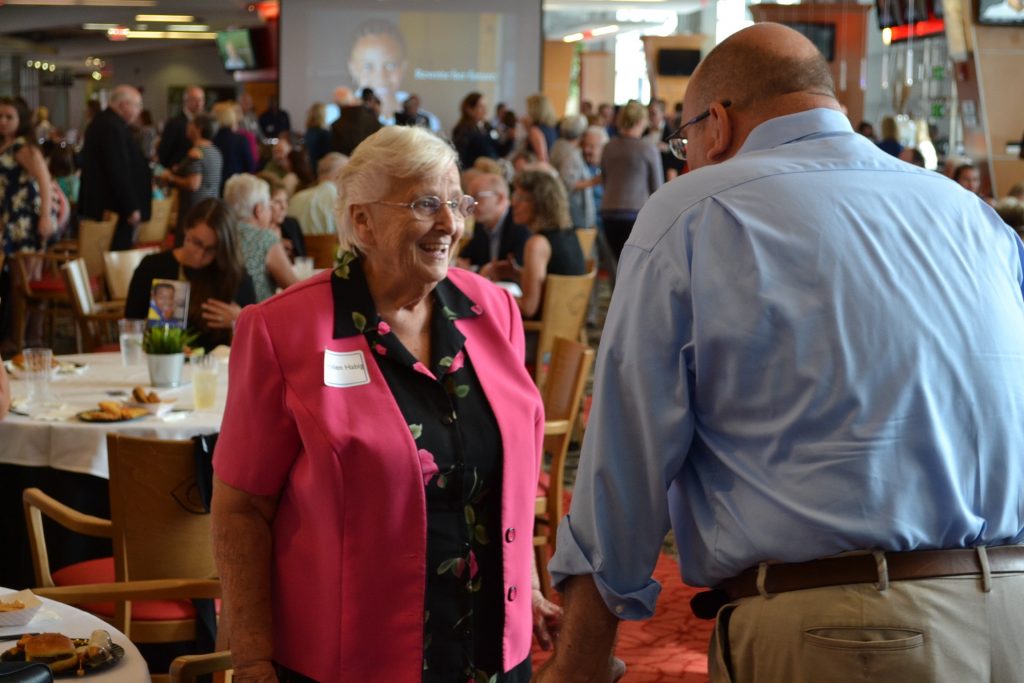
x: 160, y: 527
x: 323, y: 249
x: 562, y: 394
x: 94, y: 238
x: 587, y: 237
x: 155, y: 229
x: 120, y: 266
x: 566, y: 298
x: 79, y: 290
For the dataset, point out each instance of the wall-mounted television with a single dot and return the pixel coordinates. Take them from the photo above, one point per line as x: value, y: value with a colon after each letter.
x: 822, y: 35
x: 1001, y: 12
x: 235, y: 49
x: 675, y: 62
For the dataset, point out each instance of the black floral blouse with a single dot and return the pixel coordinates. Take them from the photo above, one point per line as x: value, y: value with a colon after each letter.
x: 461, y: 456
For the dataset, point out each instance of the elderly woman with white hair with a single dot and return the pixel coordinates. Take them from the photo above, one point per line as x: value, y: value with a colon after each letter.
x: 379, y: 454
x: 266, y: 260
x: 567, y: 158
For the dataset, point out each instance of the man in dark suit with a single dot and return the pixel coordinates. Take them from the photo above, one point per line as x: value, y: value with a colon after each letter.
x: 495, y: 235
x: 115, y: 174
x: 356, y: 123
x: 174, y: 143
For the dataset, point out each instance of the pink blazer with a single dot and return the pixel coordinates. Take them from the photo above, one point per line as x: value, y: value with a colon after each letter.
x: 349, y: 556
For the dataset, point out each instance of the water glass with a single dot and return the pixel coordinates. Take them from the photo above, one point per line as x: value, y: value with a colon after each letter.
x: 38, y: 371
x: 204, y: 381
x: 303, y: 267
x: 130, y: 337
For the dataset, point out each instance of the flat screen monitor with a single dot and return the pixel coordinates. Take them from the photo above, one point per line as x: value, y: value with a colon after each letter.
x: 822, y: 35
x: 1001, y: 12
x: 235, y: 49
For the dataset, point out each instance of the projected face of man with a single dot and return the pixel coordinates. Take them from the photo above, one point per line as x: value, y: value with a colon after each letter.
x: 377, y: 62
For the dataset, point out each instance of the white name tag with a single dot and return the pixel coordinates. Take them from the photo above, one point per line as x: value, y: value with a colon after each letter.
x: 345, y: 369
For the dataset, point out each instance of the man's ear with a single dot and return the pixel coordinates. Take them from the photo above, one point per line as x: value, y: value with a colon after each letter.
x: 721, y: 133
x: 361, y: 222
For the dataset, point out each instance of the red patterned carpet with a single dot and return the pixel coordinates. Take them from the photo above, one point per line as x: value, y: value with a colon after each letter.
x: 671, y: 646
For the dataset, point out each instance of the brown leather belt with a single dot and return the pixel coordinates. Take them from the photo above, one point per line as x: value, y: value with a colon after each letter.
x: 851, y: 569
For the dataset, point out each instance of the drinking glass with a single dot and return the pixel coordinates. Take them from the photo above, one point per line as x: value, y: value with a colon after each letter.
x: 130, y: 337
x: 38, y: 371
x: 204, y: 381
x: 303, y: 267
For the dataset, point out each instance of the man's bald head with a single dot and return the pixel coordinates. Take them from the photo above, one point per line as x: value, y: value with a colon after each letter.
x: 126, y: 101
x: 757, y: 65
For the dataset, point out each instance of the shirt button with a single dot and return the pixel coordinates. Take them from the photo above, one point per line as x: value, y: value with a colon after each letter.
x: 448, y: 419
x: 619, y: 609
x: 510, y: 534
x: 512, y: 592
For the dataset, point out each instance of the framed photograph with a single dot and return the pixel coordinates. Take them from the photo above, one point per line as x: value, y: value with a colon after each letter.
x: 1001, y: 12
x: 168, y: 303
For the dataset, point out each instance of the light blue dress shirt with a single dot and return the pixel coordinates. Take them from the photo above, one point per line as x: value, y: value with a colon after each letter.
x: 812, y: 348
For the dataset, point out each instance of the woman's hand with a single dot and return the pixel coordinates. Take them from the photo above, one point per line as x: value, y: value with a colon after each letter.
x: 547, y: 620
x: 255, y: 672
x: 45, y: 226
x: 506, y: 270
x: 219, y: 315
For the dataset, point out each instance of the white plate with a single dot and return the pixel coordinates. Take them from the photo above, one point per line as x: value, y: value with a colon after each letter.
x: 22, y: 616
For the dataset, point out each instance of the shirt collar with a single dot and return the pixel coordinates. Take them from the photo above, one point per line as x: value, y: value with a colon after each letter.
x: 354, y: 310
x: 792, y: 127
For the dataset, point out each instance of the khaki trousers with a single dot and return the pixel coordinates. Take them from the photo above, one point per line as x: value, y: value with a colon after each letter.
x: 923, y: 631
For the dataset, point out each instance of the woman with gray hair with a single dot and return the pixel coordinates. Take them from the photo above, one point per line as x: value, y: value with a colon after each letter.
x: 266, y: 260
x: 567, y: 158
x: 387, y: 472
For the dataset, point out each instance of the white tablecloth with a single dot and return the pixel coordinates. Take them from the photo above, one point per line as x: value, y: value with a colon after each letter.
x: 56, y: 617
x: 74, y: 446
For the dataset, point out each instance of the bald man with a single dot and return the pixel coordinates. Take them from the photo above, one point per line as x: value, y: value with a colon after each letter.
x: 115, y: 174
x: 812, y: 372
x: 174, y: 142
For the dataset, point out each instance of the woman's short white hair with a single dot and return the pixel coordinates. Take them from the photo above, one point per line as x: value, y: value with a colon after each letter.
x: 243, y: 192
x: 573, y: 126
x: 392, y: 154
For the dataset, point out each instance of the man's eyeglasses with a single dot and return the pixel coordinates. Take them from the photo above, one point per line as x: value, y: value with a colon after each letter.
x: 425, y: 208
x: 676, y: 141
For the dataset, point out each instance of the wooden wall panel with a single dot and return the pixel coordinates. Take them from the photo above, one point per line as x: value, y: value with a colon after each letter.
x: 597, y: 77
x: 671, y: 88
x: 558, y: 58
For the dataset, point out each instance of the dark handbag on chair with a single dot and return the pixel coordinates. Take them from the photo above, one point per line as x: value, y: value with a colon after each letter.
x: 25, y: 672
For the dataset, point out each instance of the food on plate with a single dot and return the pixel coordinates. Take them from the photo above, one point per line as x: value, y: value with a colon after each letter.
x: 141, y: 396
x: 19, y: 362
x: 12, y: 606
x: 53, y: 649
x: 112, y: 411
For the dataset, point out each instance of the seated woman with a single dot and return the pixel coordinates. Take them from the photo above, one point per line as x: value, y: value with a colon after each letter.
x: 210, y: 260
x: 540, y: 203
x: 383, y: 405
x: 265, y: 258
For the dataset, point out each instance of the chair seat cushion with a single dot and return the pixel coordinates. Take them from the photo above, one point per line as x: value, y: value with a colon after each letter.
x: 48, y: 284
x: 102, y: 571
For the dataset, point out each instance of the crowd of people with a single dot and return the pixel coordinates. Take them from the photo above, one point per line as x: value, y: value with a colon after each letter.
x: 807, y: 372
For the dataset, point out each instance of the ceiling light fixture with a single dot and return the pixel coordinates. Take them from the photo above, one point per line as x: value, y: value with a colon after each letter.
x: 605, y: 30
x: 166, y: 18
x: 573, y: 38
x: 98, y: 27
x: 125, y: 34
x: 188, y: 27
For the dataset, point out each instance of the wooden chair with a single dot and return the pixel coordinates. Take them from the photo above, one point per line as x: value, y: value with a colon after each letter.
x: 587, y: 237
x: 323, y: 249
x: 562, y: 394
x: 161, y: 538
x: 93, y: 321
x: 186, y: 668
x: 119, y: 266
x: 39, y: 284
x: 154, y: 231
x: 94, y: 238
x: 562, y: 315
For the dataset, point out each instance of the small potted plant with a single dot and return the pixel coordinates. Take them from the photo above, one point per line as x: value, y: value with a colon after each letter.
x: 165, y: 346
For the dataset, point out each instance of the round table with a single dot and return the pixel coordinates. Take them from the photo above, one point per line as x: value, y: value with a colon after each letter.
x: 55, y: 438
x: 56, y: 617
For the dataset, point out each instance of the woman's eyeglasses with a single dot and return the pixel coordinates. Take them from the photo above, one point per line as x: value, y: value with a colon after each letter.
x: 425, y: 208
x: 198, y: 244
x: 677, y: 143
